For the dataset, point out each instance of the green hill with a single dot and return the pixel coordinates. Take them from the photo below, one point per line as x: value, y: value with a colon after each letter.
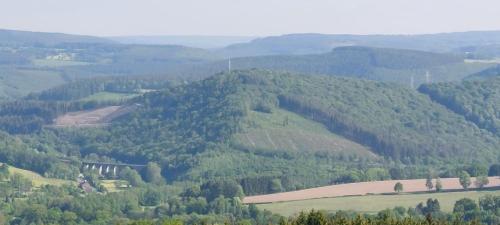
x: 258, y: 126
x: 381, y: 64
x: 477, y: 101
x: 320, y: 43
x: 270, y: 131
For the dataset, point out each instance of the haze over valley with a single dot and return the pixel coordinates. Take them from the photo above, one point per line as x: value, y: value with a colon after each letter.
x: 177, y: 120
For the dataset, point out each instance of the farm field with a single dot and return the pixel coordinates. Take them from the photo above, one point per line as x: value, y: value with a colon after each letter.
x: 362, y: 188
x: 372, y: 203
x: 38, y: 180
x: 114, y: 185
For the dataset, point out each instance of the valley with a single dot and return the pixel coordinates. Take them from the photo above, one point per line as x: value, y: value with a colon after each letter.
x: 249, y: 133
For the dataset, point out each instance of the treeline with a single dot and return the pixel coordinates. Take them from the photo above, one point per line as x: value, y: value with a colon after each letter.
x: 382, y: 64
x: 477, y: 101
x: 465, y: 212
x: 83, y: 88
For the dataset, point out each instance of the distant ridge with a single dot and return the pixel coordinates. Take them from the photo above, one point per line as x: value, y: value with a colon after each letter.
x: 197, y: 41
x: 29, y: 37
x: 310, y: 43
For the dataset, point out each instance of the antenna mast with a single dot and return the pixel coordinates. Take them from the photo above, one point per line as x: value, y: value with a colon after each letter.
x: 427, y: 77
x: 229, y: 65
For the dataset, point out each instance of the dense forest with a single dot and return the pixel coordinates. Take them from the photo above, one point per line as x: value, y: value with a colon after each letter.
x: 190, y: 130
x: 477, y: 101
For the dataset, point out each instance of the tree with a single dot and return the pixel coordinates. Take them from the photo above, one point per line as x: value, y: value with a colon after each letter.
x: 432, y: 206
x: 316, y: 218
x: 464, y: 179
x: 131, y: 176
x: 276, y: 186
x: 466, y: 208
x: 398, y: 187
x: 428, y: 183
x: 439, y: 185
x: 494, y: 170
x: 4, y: 172
x: 152, y: 174
x: 22, y: 184
x: 481, y: 181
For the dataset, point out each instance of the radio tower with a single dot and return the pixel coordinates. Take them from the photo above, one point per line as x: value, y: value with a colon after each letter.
x: 427, y: 77
x: 229, y: 65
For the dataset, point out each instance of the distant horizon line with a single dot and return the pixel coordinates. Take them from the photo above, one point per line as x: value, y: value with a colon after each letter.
x: 245, y: 36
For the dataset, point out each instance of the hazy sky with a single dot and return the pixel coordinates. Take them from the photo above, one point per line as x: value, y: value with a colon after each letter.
x: 248, y: 17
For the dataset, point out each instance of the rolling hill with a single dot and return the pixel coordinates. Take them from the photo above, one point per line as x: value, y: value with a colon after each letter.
x: 381, y: 64
x: 292, y: 44
x: 254, y: 125
x: 16, y: 37
x: 195, y: 41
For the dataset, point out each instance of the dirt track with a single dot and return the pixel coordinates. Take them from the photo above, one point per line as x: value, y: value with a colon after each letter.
x: 363, y: 188
x: 88, y: 118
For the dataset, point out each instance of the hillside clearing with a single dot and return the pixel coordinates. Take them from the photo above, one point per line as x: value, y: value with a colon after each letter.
x: 37, y: 179
x: 97, y: 117
x: 267, y: 132
x: 362, y: 188
x: 372, y: 203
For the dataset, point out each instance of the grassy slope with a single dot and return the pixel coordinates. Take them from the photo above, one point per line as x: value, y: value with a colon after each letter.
x: 373, y: 203
x: 111, y: 185
x: 265, y: 131
x: 38, y: 180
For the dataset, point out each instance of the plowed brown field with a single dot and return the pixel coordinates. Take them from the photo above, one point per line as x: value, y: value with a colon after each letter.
x: 88, y: 118
x: 362, y: 188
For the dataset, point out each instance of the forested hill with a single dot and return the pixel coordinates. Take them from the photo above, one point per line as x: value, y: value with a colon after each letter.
x: 15, y: 37
x: 232, y: 125
x: 381, y: 64
x: 251, y: 126
x: 319, y: 43
x: 477, y: 101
